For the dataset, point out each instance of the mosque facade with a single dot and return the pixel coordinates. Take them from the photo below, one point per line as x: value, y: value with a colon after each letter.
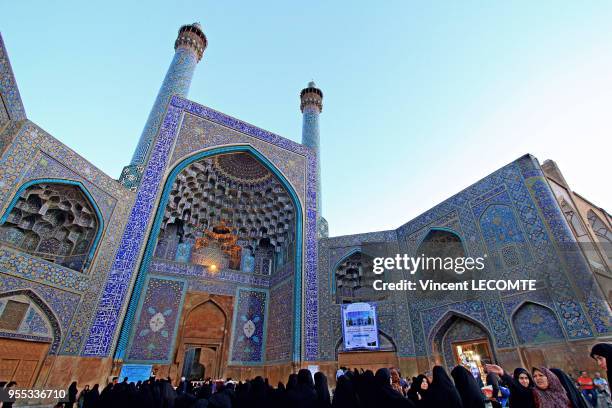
x: 210, y: 257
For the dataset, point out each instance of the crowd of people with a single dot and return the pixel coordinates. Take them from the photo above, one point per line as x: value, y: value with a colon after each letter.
x: 540, y: 387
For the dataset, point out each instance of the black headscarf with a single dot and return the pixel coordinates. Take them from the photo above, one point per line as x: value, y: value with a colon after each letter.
x: 471, y: 395
x: 292, y: 382
x: 258, y: 392
x: 107, y: 396
x: 517, y: 374
x: 304, y: 378
x: 220, y: 399
x: 72, y: 392
x: 604, y: 350
x: 416, y: 390
x: 278, y: 396
x: 365, y: 387
x: 304, y: 394
x: 345, y: 395
x: 570, y: 389
x: 323, y: 398
x: 385, y: 393
x: 520, y: 396
x: 145, y: 394
x: 441, y: 392
x: 92, y: 397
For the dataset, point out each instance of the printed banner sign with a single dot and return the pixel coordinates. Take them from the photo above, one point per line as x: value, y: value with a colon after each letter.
x: 359, y: 327
x: 136, y: 372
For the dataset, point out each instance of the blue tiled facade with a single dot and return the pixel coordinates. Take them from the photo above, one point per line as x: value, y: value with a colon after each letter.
x: 128, y: 304
x: 513, y: 218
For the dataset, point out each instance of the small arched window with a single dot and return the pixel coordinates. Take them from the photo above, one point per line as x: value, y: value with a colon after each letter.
x: 53, y: 221
x: 599, y: 227
x: 603, y: 233
x: 355, y: 279
x: 438, y: 247
x: 573, y: 219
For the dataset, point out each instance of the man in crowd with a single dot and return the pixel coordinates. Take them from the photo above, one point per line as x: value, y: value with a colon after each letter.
x: 587, y: 388
x: 603, y: 390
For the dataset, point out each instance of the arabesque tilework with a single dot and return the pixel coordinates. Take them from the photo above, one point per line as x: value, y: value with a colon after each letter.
x: 249, y: 327
x: 154, y: 334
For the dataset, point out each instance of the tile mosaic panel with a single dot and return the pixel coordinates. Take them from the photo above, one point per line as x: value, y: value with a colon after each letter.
x: 24, y: 159
x: 281, y: 306
x: 249, y: 326
x: 57, y: 306
x: 154, y: 334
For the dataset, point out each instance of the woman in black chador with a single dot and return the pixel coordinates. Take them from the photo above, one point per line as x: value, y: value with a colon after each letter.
x: 385, y: 393
x: 441, y: 392
x: 323, y: 398
x: 520, y: 384
x: 345, y: 395
x: 304, y: 394
x: 571, y: 391
x: 418, y: 390
x: 471, y: 395
x: 92, y: 398
x: 72, y: 394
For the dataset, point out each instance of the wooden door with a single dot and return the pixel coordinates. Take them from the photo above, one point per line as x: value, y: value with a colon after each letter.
x: 21, y: 360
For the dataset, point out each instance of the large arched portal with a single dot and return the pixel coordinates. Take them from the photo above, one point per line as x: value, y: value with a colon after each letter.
x: 228, y: 225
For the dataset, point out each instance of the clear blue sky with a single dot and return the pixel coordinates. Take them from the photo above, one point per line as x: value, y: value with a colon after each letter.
x: 422, y: 99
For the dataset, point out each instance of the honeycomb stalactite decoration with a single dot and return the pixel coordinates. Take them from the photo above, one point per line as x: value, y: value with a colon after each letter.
x: 52, y: 221
x: 355, y: 278
x: 233, y: 201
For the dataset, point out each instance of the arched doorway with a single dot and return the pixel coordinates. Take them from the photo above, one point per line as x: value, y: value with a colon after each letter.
x: 28, y: 333
x: 203, y: 342
x: 460, y: 340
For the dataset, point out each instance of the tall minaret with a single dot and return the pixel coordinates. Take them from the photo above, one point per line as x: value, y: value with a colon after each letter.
x: 311, y: 104
x: 189, y: 48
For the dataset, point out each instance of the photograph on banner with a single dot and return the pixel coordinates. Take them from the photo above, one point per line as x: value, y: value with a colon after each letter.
x: 359, y: 326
